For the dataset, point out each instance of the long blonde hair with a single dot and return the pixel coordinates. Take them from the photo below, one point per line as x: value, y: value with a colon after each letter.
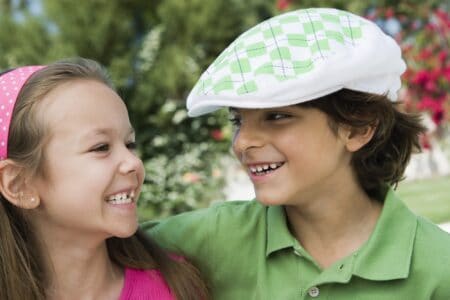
x: 22, y: 274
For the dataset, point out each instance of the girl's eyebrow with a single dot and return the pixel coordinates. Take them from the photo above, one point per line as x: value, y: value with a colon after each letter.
x: 106, y: 131
x: 131, y: 131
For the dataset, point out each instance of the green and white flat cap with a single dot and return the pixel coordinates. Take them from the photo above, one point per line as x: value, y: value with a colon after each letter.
x: 300, y: 56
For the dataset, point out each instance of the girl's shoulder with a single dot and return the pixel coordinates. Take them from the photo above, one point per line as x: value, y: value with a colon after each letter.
x: 145, y: 284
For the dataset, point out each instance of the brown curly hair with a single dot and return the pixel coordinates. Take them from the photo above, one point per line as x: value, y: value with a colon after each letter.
x: 382, y: 161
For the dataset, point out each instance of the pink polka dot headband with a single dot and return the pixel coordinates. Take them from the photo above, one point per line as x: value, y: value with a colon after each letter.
x: 10, y: 85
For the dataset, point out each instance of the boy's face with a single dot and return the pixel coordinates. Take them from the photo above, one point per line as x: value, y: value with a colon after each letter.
x: 92, y: 176
x: 290, y: 154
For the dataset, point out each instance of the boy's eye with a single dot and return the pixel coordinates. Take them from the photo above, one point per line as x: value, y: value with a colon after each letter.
x: 235, y: 121
x: 277, y: 116
x: 100, y: 148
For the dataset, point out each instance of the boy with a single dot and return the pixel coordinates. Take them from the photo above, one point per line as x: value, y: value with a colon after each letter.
x: 311, y: 94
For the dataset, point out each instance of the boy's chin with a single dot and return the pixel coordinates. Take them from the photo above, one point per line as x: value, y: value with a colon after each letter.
x: 268, y: 200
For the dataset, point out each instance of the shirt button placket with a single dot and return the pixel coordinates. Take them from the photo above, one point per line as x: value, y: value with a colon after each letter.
x: 314, y: 292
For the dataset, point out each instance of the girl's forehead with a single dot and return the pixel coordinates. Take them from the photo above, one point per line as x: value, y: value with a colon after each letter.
x: 84, y: 106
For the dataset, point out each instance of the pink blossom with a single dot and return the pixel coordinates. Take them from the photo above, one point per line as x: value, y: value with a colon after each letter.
x: 446, y: 73
x: 431, y: 86
x: 390, y: 12
x: 217, y: 134
x: 425, y: 53
x: 283, y: 4
x: 190, y: 177
x: 442, y: 56
x: 429, y: 103
x: 421, y: 78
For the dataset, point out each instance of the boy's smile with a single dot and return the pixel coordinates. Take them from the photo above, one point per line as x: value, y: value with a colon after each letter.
x: 290, y: 153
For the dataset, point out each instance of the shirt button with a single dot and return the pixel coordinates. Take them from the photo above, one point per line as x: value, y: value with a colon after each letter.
x: 314, y: 291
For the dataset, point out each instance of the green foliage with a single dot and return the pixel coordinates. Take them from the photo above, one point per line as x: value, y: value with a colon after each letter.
x: 155, y: 51
x: 191, y: 180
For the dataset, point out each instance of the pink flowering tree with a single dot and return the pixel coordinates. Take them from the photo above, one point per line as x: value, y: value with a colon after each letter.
x: 427, y: 80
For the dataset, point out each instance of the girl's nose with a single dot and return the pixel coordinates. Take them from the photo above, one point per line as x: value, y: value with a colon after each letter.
x: 130, y: 162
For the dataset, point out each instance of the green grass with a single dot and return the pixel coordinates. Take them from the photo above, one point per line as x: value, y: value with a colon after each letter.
x: 428, y: 197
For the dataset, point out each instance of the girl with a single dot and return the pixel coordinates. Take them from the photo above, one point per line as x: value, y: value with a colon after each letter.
x: 311, y: 95
x: 69, y: 183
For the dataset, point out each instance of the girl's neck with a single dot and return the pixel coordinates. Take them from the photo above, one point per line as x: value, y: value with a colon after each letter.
x: 335, y: 225
x: 77, y: 272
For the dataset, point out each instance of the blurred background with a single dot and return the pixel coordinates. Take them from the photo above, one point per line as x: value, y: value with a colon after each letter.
x: 156, y: 50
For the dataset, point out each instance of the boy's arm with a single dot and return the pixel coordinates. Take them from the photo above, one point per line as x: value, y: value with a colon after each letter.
x: 188, y: 234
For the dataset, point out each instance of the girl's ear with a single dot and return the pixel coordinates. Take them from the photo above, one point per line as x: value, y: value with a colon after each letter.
x: 356, y: 138
x: 13, y: 187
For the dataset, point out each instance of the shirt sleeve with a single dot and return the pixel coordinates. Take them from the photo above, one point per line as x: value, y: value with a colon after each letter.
x: 188, y: 234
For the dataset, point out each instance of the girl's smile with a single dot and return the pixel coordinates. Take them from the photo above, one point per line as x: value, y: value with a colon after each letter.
x: 96, y: 187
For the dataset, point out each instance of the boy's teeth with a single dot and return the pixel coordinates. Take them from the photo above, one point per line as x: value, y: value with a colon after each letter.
x: 263, y: 169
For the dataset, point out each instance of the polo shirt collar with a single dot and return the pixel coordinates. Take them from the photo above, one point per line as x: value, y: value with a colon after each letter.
x: 387, y: 254
x: 278, y: 234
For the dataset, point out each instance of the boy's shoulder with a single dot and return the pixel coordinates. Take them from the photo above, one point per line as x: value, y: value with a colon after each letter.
x: 221, y: 212
x: 238, y: 207
x: 432, y: 247
x: 230, y: 213
x: 429, y: 234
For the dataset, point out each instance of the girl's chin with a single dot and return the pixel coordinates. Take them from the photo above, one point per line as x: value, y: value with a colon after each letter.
x: 125, y: 232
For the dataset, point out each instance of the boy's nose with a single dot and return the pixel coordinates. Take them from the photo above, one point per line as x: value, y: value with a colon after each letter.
x: 247, y: 137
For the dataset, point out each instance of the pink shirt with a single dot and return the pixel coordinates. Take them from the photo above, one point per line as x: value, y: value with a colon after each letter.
x: 145, y: 285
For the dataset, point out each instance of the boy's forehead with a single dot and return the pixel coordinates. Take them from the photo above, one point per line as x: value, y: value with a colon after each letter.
x: 299, y: 56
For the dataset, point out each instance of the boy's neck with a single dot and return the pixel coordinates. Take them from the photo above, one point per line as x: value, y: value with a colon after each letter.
x: 333, y: 227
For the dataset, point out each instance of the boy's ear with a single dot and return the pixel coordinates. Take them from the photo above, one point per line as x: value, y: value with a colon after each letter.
x: 356, y: 138
x: 13, y: 187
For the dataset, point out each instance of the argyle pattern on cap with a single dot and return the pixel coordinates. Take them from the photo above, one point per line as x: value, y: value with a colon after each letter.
x: 280, y: 49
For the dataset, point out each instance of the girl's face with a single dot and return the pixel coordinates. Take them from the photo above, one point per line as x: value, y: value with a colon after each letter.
x: 290, y: 153
x: 92, y: 177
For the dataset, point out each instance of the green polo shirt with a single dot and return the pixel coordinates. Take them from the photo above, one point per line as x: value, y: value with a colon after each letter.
x: 245, y: 251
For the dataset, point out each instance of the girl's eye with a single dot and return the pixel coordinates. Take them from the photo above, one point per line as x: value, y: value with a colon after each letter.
x: 132, y: 145
x: 101, y: 148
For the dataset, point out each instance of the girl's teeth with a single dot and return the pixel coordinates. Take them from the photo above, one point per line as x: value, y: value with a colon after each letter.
x: 121, y: 198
